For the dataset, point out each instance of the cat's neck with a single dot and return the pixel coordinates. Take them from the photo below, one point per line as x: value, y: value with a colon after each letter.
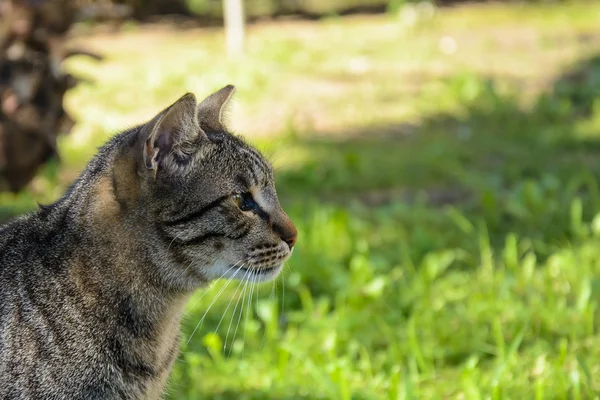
x: 145, y: 311
x: 138, y: 312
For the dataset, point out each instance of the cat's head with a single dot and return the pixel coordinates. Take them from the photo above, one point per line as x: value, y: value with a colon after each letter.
x: 208, y: 197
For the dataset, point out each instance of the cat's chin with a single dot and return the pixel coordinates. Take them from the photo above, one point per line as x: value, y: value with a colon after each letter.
x: 254, y: 274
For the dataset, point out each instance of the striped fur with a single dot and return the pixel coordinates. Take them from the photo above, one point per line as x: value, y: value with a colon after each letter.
x: 92, y: 288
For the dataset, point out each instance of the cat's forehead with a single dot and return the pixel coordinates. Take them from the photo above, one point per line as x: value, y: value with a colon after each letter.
x: 238, y: 160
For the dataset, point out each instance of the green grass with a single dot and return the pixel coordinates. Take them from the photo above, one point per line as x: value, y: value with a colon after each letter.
x: 447, y: 204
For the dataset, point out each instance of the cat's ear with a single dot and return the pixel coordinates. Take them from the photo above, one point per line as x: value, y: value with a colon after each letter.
x: 211, y: 110
x: 172, y: 133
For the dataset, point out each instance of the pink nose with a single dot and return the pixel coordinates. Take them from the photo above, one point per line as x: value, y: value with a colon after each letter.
x: 291, y: 241
x: 287, y: 232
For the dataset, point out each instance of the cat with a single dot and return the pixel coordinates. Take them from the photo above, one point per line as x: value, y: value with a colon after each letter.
x: 93, y: 287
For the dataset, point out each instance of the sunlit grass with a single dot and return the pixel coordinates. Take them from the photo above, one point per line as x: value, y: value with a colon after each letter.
x: 446, y: 199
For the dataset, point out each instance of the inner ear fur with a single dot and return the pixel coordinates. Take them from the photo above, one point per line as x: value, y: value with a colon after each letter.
x: 173, y: 131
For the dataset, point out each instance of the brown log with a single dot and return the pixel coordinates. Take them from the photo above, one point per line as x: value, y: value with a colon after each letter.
x: 32, y: 85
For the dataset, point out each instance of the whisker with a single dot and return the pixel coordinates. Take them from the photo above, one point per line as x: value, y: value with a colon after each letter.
x: 184, y: 271
x: 234, y: 309
x: 252, y: 285
x: 208, y: 289
x: 241, y: 312
x: 262, y: 343
x: 174, y: 238
x: 228, y: 304
x: 282, y: 296
x: 257, y: 291
x: 208, y: 309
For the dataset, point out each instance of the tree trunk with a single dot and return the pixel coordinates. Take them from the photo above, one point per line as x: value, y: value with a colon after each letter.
x: 32, y: 85
x: 233, y: 12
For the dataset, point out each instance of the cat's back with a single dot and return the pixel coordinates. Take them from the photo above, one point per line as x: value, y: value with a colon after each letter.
x: 17, y: 253
x: 31, y: 253
x: 31, y: 241
x: 33, y: 298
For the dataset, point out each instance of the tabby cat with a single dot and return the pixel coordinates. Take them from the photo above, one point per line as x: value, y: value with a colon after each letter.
x: 93, y: 287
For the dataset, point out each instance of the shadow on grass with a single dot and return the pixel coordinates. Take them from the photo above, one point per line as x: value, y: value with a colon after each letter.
x: 521, y: 168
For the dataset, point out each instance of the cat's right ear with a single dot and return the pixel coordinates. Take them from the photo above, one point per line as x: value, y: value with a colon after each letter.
x: 212, y: 109
x: 172, y: 134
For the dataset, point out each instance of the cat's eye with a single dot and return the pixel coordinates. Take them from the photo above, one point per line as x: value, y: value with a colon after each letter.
x: 244, y: 201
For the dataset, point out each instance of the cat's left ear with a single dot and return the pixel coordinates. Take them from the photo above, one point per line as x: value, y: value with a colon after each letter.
x: 172, y: 134
x: 212, y: 109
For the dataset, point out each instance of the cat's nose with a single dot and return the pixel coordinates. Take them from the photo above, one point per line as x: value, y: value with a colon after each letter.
x: 286, y: 231
x: 291, y: 240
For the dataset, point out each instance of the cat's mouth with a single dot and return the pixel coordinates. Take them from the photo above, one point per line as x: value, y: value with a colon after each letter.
x: 259, y: 271
x: 256, y: 274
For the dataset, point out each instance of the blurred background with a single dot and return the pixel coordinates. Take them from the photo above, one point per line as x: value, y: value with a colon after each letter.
x: 440, y: 159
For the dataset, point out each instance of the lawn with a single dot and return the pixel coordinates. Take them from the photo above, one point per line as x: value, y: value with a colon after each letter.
x: 442, y: 169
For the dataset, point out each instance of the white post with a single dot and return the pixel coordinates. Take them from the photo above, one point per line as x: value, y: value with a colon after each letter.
x: 233, y: 13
